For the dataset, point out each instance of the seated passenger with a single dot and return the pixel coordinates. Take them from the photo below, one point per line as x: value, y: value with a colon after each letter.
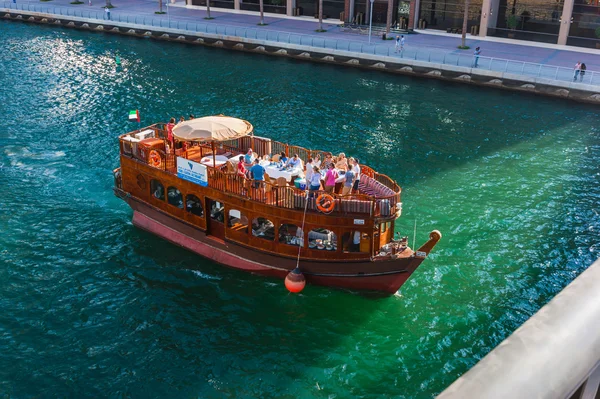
x: 309, y: 170
x: 266, y: 157
x: 294, y: 162
x: 283, y: 158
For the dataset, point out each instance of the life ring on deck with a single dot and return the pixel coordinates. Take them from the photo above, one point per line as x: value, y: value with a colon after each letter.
x: 154, y: 158
x: 325, y: 203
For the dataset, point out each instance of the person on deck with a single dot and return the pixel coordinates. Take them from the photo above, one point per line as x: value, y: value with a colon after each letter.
x: 348, y: 182
x: 249, y: 157
x: 241, y: 169
x: 294, y: 162
x: 330, y: 178
x: 170, y: 127
x: 315, y: 181
x: 258, y: 174
x: 342, y: 162
x: 356, y: 171
x: 309, y: 171
x: 283, y: 159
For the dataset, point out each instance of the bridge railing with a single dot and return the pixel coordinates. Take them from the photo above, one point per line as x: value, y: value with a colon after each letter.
x: 555, y: 354
x: 466, y: 60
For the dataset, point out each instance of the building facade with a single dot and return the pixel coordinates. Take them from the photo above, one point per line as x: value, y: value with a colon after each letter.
x: 571, y: 22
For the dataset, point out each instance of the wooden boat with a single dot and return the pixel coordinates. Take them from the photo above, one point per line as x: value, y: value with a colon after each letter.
x: 186, y: 190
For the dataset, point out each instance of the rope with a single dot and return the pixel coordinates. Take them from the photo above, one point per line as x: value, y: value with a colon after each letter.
x: 303, y: 219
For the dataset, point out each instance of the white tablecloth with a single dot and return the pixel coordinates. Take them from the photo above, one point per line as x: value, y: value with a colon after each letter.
x: 274, y: 172
x: 219, y: 159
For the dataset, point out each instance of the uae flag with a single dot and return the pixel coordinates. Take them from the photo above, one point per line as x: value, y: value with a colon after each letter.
x: 134, y: 115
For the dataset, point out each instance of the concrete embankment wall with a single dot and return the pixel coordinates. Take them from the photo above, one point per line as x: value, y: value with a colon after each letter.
x: 570, y: 90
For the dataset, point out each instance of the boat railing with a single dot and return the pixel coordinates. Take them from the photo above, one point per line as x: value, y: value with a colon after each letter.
x: 285, y: 196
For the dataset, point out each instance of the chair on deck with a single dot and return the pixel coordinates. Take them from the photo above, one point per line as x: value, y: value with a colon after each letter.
x: 229, y: 168
x: 282, y: 182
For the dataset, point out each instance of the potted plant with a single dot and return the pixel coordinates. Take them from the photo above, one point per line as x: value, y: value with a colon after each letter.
x: 511, y: 22
x: 598, y: 36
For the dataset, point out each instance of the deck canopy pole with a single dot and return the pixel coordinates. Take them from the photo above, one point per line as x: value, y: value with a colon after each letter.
x: 212, y: 144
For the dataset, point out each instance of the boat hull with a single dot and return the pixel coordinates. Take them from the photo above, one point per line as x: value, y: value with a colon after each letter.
x: 385, y: 276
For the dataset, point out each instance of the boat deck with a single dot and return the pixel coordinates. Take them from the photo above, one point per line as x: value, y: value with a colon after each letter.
x: 378, y: 195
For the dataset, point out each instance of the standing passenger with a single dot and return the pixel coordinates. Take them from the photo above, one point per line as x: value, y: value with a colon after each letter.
x: 330, y: 178
x: 315, y: 181
x: 356, y: 171
x: 582, y: 73
x: 258, y: 174
x: 170, y: 127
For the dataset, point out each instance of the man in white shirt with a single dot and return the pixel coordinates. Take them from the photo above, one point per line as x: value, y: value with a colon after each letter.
x: 356, y: 171
x: 294, y: 162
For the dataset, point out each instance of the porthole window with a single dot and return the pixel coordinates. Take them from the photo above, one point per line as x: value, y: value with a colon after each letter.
x: 157, y: 190
x: 291, y: 234
x: 263, y: 228
x: 322, y: 239
x: 174, y: 197
x: 194, y: 206
x: 237, y: 221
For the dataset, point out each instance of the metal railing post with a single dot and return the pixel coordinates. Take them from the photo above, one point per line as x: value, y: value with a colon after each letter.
x: 506, y: 66
x: 556, y: 74
x: 539, y: 70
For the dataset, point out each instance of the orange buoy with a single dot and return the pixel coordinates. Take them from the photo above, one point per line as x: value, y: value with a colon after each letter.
x: 295, y: 281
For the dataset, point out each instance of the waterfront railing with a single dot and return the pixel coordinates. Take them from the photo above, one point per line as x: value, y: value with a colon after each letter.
x: 554, y: 354
x: 453, y: 58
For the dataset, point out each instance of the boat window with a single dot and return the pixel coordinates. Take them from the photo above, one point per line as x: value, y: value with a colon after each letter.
x: 174, y: 197
x: 385, y: 227
x: 322, y: 239
x: 237, y: 221
x: 194, y: 206
x: 263, y: 228
x: 217, y: 211
x: 291, y: 234
x: 157, y: 189
x: 355, y: 241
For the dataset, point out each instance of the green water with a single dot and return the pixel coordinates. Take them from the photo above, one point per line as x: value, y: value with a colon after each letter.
x: 92, y: 307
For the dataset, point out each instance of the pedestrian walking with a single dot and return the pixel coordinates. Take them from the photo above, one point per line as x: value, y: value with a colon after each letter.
x: 577, y: 70
x: 583, y: 68
x: 397, y: 44
x: 476, y: 57
x: 107, y: 11
x: 90, y: 3
x: 401, y: 44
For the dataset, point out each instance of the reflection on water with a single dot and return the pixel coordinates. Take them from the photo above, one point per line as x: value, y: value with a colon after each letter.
x: 90, y: 306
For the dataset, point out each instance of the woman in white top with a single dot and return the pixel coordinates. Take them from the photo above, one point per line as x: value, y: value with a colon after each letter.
x: 309, y: 170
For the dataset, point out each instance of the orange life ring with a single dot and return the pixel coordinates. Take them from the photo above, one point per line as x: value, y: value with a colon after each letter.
x: 154, y: 158
x: 325, y: 203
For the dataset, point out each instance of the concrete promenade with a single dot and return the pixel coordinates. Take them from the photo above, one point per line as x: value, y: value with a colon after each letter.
x: 296, y: 38
x: 435, y: 42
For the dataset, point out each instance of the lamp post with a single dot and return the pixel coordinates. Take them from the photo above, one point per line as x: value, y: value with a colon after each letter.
x: 370, y: 20
x: 168, y: 14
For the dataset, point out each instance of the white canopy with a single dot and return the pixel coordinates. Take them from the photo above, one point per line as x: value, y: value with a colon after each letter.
x: 212, y: 128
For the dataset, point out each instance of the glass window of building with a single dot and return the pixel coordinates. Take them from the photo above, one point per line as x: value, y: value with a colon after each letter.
x: 448, y: 14
x: 585, y: 26
x: 527, y: 20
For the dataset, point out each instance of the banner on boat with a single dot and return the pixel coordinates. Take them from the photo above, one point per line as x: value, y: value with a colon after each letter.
x: 192, y: 171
